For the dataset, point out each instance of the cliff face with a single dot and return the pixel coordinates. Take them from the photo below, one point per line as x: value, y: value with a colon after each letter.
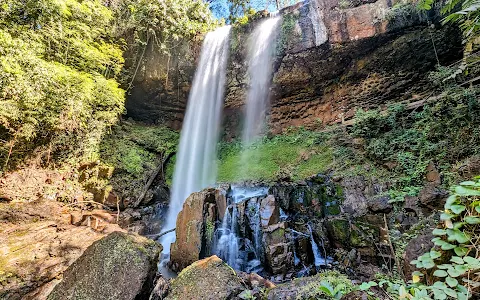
x: 331, y: 59
x: 159, y: 92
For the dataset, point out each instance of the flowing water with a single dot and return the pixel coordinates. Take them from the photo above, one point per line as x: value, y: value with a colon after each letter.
x: 195, y: 166
x: 260, y: 61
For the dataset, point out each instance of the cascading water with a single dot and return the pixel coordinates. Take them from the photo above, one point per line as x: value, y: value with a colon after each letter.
x: 195, y: 166
x: 261, y: 46
x: 319, y: 259
x: 228, y: 244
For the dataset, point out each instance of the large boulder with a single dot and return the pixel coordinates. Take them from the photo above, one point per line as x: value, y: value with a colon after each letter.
x: 195, y: 228
x: 209, y: 278
x: 119, y: 266
x: 279, y: 258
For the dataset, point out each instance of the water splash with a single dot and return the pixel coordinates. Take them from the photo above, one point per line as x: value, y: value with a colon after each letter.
x: 195, y: 167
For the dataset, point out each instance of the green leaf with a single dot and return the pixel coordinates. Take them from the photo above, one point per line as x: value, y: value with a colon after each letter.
x: 452, y: 282
x: 447, y: 246
x: 457, y: 260
x: 450, y: 292
x: 468, y: 183
x: 444, y: 267
x: 477, y: 209
x: 472, y: 261
x: 440, y: 273
x: 460, y: 251
x: 458, y: 225
x: 454, y: 272
x: 452, y: 199
x: 463, y: 191
x: 457, y: 235
x: 428, y: 263
x: 439, y: 294
x: 435, y: 254
x: 438, y: 231
x: 472, y: 220
x: 457, y: 208
x: 446, y: 216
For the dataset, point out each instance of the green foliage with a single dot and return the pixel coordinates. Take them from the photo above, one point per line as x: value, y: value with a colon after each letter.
x: 452, y: 266
x: 134, y: 148
x: 134, y: 151
x: 443, y: 132
x: 47, y: 97
x: 296, y: 154
x: 60, y: 64
x: 464, y: 12
x: 286, y: 31
x: 330, y: 284
x: 468, y: 16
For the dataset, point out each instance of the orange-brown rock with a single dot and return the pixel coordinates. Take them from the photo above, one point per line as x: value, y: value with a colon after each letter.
x: 37, y: 244
x: 194, y: 228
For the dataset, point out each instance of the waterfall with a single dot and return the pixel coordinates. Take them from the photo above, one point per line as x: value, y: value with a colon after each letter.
x: 195, y: 166
x: 319, y: 260
x: 260, y: 55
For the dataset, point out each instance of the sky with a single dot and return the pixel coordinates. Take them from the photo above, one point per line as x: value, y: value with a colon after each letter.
x: 220, y: 9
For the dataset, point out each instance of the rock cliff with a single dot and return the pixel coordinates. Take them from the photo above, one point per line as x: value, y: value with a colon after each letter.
x: 331, y: 58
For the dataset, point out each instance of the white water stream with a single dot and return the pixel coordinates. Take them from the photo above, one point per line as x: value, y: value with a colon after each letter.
x: 195, y: 167
x: 261, y: 45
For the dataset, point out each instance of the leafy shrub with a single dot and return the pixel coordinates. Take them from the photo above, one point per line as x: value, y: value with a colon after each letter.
x: 452, y: 267
x: 330, y: 284
x: 443, y: 132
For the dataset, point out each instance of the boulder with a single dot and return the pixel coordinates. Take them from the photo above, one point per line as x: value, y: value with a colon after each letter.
x: 209, y: 278
x: 269, y: 211
x: 416, y: 247
x: 119, y: 266
x: 432, y: 196
x: 279, y: 258
x: 380, y: 204
x: 195, y: 228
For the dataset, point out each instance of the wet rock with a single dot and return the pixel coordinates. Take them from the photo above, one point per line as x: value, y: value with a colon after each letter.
x: 119, y: 266
x: 269, y: 211
x: 380, y: 204
x: 194, y: 229
x: 338, y: 231
x: 282, y: 193
x: 209, y: 278
x: 160, y: 290
x: 279, y: 258
x: 416, y: 247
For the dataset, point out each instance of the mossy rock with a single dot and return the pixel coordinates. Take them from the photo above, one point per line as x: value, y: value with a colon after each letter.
x: 339, y: 230
x: 119, y: 266
x: 209, y: 278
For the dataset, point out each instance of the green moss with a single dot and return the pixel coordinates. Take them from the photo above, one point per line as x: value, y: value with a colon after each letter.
x: 296, y: 154
x: 340, y: 228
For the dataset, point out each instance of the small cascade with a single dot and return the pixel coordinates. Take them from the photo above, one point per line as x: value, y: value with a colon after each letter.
x: 194, y: 169
x: 241, y: 251
x: 227, y: 245
x: 319, y: 260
